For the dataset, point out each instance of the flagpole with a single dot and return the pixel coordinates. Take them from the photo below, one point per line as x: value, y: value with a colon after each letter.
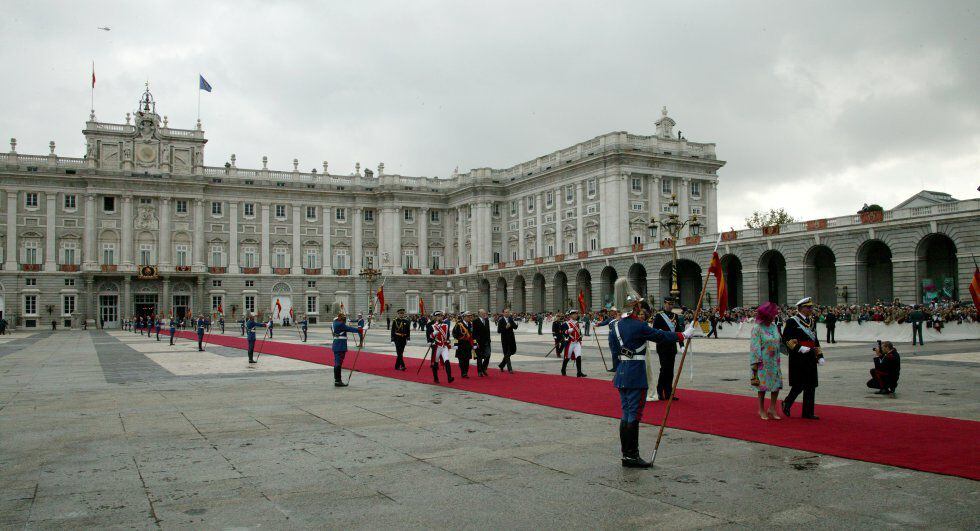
x: 199, y: 102
x: 93, y: 88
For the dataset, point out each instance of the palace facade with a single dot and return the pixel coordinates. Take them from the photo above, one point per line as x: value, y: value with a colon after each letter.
x: 139, y: 224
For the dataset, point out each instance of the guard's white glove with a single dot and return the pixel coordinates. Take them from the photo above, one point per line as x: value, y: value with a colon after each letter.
x: 821, y: 361
x: 804, y: 350
x: 692, y: 331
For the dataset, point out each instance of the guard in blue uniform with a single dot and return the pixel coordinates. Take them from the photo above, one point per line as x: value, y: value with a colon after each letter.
x: 201, y: 325
x: 667, y: 321
x: 627, y: 340
x: 173, y: 328
x: 270, y: 325
x: 159, y: 325
x: 360, y: 325
x: 304, y: 326
x: 241, y: 324
x: 250, y: 326
x: 221, y: 321
x: 339, y: 346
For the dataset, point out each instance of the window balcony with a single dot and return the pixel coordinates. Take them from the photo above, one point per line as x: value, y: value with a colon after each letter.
x: 185, y: 269
x: 30, y: 267
x: 412, y: 271
x: 342, y: 272
x: 559, y: 257
x: 217, y: 270
x: 280, y: 270
x: 109, y: 268
x: 250, y: 270
x: 68, y: 268
x: 311, y: 270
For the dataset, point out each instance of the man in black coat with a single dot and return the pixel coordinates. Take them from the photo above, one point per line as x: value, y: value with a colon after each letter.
x: 556, y: 333
x: 400, y: 334
x: 830, y: 321
x: 465, y: 342
x: 888, y: 366
x: 481, y: 330
x: 505, y: 327
x: 665, y: 320
x: 800, y: 339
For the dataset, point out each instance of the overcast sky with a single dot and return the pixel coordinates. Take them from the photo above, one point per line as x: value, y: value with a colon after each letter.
x: 817, y: 107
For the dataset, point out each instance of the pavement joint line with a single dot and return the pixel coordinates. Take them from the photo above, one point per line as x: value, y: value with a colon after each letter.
x: 146, y: 492
x: 546, y: 467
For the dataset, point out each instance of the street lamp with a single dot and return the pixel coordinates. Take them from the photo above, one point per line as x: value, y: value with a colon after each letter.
x: 671, y: 222
x: 370, y: 274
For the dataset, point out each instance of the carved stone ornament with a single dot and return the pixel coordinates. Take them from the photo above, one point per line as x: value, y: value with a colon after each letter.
x: 146, y: 219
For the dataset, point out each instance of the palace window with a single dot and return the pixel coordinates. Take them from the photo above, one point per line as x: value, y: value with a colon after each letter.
x: 30, y: 305
x: 69, y: 282
x: 697, y: 211
x: 280, y: 212
x: 71, y: 201
x: 30, y: 200
x: 215, y: 283
x: 342, y: 214
x: 665, y: 186
x: 530, y: 203
x: 636, y: 207
x: 311, y: 283
x: 409, y: 214
x: 250, y: 303
x: 408, y: 259
x: 146, y: 201
x: 636, y: 184
x: 436, y: 259
x: 311, y: 213
x: 434, y: 216
x: 67, y: 305
x: 592, y: 186
x: 495, y: 210
x: 695, y: 188
x: 248, y: 257
x: 108, y: 253
x: 368, y: 215
x: 69, y: 252
x: 30, y: 281
x: 550, y: 250
x: 549, y: 199
x: 30, y: 252
x: 249, y: 210
x: 571, y: 247
x: 513, y: 208
x: 496, y: 256
x: 249, y: 283
x: 593, y: 243
x: 216, y: 301
x: 637, y: 239
x: 312, y: 259
x: 341, y: 259
x: 181, y: 206
x: 513, y: 255
x: 369, y: 259
x: 182, y: 255
x: 109, y: 205
x: 569, y: 194
x: 311, y: 304
x: 279, y: 257
x: 215, y: 208
x: 146, y: 254
x: 217, y: 256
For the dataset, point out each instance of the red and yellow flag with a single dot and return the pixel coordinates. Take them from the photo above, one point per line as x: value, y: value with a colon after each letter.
x: 381, y: 299
x: 421, y: 306
x: 715, y: 269
x: 278, y: 307
x: 975, y: 286
x: 581, y: 301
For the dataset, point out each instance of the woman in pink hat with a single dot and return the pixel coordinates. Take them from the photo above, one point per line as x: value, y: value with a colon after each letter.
x: 764, y: 359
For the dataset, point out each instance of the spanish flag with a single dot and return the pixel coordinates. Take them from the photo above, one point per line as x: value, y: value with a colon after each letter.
x: 421, y: 306
x: 975, y: 287
x: 278, y: 307
x: 381, y: 299
x: 581, y: 301
x: 715, y: 269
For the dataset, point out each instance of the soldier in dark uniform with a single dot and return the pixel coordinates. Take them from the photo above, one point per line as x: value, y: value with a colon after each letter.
x: 250, y: 326
x: 481, y: 331
x: 400, y: 335
x: 830, y: 321
x: 607, y: 318
x: 241, y: 323
x: 465, y: 342
x: 201, y: 325
x: 556, y: 333
x: 800, y: 338
x: 505, y: 327
x: 173, y: 329
x: 666, y: 321
x: 304, y: 327
x: 221, y: 321
x: 339, y: 346
x: 159, y: 325
x: 627, y: 341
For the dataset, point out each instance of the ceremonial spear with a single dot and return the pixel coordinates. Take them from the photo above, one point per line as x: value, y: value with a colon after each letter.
x: 687, y: 345
x: 370, y: 275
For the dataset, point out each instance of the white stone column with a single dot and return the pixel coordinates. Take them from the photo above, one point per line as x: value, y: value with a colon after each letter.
x: 165, y: 233
x: 504, y: 235
x: 89, y: 259
x: 127, y: 233
x: 626, y: 199
x: 198, y: 258
x: 297, y: 265
x: 711, y: 204
x: 461, y: 239
x: 580, y: 216
x: 10, y: 260
x: 396, y: 240
x: 559, y: 236
x: 233, y: 237
x: 449, y: 257
x: 521, y: 244
x: 358, y: 246
x: 50, y: 233
x: 684, y: 211
x: 326, y: 258
x: 264, y: 258
x: 487, y: 232
x: 539, y: 226
x: 423, y: 257
x: 608, y: 211
x: 654, y: 205
x: 381, y: 225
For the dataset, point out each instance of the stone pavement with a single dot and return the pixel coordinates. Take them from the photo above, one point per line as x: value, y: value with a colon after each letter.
x: 112, y: 429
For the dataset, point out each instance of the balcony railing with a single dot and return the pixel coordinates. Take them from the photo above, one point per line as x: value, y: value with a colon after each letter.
x: 30, y: 267
x: 68, y: 268
x: 280, y: 270
x: 250, y: 271
x: 109, y: 268
x: 184, y: 269
x: 217, y: 270
x: 311, y: 270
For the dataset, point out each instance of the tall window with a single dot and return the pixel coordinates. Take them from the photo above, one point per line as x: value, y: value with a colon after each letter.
x: 593, y: 243
x: 408, y: 259
x: 249, y: 210
x: 513, y: 208
x: 71, y: 202
x: 571, y: 247
x: 250, y: 303
x: 591, y: 185
x: 636, y: 184
x: 695, y: 188
x: 216, y: 208
x: 109, y: 205
x: 311, y: 259
x: 30, y: 252
x: 637, y: 239
x: 181, y: 206
x: 30, y: 200
x: 311, y: 213
x: 30, y: 305
x: 496, y: 256
x: 181, y: 255
x: 369, y: 259
x: 569, y: 194
x: 665, y: 186
x: 248, y: 257
x: 67, y: 305
x: 311, y: 304
x: 434, y: 216
x: 495, y: 210
x: 341, y: 259
x: 549, y: 199
x: 146, y: 254
x: 436, y: 260
x: 109, y: 253
x: 530, y: 203
x: 279, y: 256
x: 342, y: 214
x: 217, y: 256
x: 280, y: 211
x: 513, y: 255
x: 409, y: 214
x: 550, y: 250
x: 368, y: 215
x: 69, y: 251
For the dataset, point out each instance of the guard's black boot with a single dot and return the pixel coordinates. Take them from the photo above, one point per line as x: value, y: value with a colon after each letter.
x: 633, y: 459
x: 623, y: 444
x: 578, y: 367
x: 435, y: 373
x: 564, y: 365
x: 449, y: 372
x: 338, y: 380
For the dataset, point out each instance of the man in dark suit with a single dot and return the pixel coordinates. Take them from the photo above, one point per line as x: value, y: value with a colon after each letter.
x: 556, y: 333
x: 830, y: 321
x: 888, y: 365
x: 800, y: 338
x: 505, y: 327
x: 400, y: 334
x: 666, y: 321
x: 481, y: 330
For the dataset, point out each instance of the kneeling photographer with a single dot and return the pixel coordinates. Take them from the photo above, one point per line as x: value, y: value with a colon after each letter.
x: 888, y: 365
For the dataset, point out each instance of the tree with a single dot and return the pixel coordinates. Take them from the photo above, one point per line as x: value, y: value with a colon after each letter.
x: 775, y: 216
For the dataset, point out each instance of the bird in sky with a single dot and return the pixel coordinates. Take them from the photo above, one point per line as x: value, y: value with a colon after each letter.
x: 104, y: 28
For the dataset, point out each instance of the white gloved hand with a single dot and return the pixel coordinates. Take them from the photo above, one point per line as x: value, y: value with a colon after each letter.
x: 821, y: 361
x: 804, y: 350
x: 692, y: 331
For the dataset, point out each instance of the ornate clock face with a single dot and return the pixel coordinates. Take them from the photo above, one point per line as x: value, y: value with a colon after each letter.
x: 146, y: 153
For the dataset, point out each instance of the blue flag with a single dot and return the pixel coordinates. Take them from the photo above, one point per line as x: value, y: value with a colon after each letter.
x: 204, y: 85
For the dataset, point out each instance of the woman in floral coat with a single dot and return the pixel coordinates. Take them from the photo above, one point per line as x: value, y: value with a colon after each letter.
x: 764, y: 359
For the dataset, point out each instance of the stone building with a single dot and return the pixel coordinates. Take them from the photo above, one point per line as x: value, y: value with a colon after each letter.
x: 139, y: 224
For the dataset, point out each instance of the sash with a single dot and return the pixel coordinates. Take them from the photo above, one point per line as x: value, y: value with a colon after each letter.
x: 806, y: 329
x: 670, y: 323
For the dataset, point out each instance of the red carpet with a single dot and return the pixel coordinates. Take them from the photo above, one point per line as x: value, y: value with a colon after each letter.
x: 919, y: 442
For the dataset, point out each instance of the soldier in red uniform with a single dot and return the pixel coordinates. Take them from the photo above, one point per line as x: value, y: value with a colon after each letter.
x: 442, y: 344
x: 571, y: 335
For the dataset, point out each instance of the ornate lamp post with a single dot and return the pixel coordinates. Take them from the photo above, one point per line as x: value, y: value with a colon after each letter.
x: 370, y: 274
x: 671, y: 222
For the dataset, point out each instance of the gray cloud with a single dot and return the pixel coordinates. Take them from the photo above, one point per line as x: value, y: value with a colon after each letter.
x: 847, y: 102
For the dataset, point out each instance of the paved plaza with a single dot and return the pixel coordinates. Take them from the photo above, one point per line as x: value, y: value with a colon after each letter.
x: 111, y: 429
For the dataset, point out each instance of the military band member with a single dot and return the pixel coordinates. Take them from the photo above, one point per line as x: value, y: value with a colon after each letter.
x: 201, y: 325
x: 339, y: 346
x: 465, y: 343
x: 401, y: 334
x: 627, y: 338
x: 441, y: 344
x: 666, y: 321
x: 505, y: 327
x: 250, y: 325
x: 304, y: 327
x: 571, y: 338
x: 800, y: 338
x: 481, y: 331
